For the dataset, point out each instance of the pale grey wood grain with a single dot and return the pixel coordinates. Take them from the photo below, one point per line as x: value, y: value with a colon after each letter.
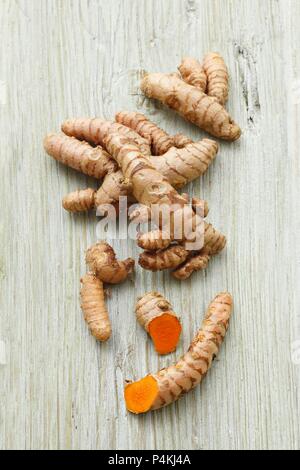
x: 59, y: 388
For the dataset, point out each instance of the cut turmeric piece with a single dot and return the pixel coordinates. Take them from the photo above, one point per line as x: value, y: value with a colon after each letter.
x: 166, y: 386
x: 155, y: 315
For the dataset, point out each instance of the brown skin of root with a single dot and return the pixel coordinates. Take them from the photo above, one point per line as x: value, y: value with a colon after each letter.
x: 169, y: 258
x: 92, y: 161
x: 160, y: 140
x: 96, y: 130
x: 202, y: 110
x: 171, y: 383
x: 140, y: 395
x: 152, y: 189
x: 94, y: 308
x: 165, y: 332
x: 194, y: 263
x: 102, y: 260
x: 154, y: 240
x: 79, y: 201
x: 181, y: 140
x: 193, y: 73
x: 217, y: 76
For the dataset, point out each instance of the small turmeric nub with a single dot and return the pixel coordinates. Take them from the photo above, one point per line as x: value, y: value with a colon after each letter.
x: 102, y: 261
x: 193, y: 73
x: 81, y: 200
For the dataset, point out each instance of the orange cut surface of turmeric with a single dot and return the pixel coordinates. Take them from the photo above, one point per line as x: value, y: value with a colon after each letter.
x: 165, y: 332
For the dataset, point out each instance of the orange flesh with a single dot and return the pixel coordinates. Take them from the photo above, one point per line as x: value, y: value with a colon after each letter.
x: 140, y: 395
x: 165, y: 331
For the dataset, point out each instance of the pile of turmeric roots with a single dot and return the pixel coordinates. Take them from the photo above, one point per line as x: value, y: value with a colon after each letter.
x: 135, y: 158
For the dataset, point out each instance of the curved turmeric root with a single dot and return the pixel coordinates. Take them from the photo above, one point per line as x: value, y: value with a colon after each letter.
x: 157, y: 390
x: 160, y: 140
x: 155, y: 315
x: 191, y: 103
x: 169, y: 258
x: 79, y: 155
x: 94, y: 308
x: 96, y: 130
x: 217, y: 76
x: 80, y: 200
x: 193, y: 73
x: 180, y: 166
x: 195, y: 262
x: 102, y: 261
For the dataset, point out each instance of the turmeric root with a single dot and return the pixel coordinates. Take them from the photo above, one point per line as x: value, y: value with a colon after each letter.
x: 154, y: 240
x: 181, y: 140
x: 157, y: 390
x: 181, y: 166
x: 155, y: 315
x: 80, y: 200
x: 169, y: 258
x: 94, y: 308
x: 195, y: 262
x: 96, y: 130
x: 191, y: 103
x: 113, y: 186
x: 152, y: 189
x: 193, y: 73
x: 140, y: 214
x: 160, y: 140
x: 217, y: 76
x: 102, y: 261
x: 79, y: 155
x: 185, y: 261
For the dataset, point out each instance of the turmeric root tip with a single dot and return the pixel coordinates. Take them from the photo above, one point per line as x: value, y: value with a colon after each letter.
x: 139, y: 396
x: 165, y: 332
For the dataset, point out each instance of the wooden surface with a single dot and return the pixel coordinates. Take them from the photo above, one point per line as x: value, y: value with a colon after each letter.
x: 59, y: 389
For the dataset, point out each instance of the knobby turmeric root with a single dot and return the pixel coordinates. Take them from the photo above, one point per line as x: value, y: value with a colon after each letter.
x: 192, y: 72
x: 79, y: 155
x: 157, y: 390
x: 217, y: 76
x: 151, y: 188
x: 96, y: 130
x: 161, y: 142
x: 154, y: 240
x: 102, y: 261
x: 113, y: 187
x: 186, y: 261
x: 155, y: 315
x: 195, y: 262
x: 191, y: 103
x: 169, y: 258
x: 80, y: 200
x: 180, y: 166
x: 94, y: 308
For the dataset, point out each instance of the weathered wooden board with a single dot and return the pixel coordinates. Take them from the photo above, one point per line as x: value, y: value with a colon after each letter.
x: 59, y: 389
